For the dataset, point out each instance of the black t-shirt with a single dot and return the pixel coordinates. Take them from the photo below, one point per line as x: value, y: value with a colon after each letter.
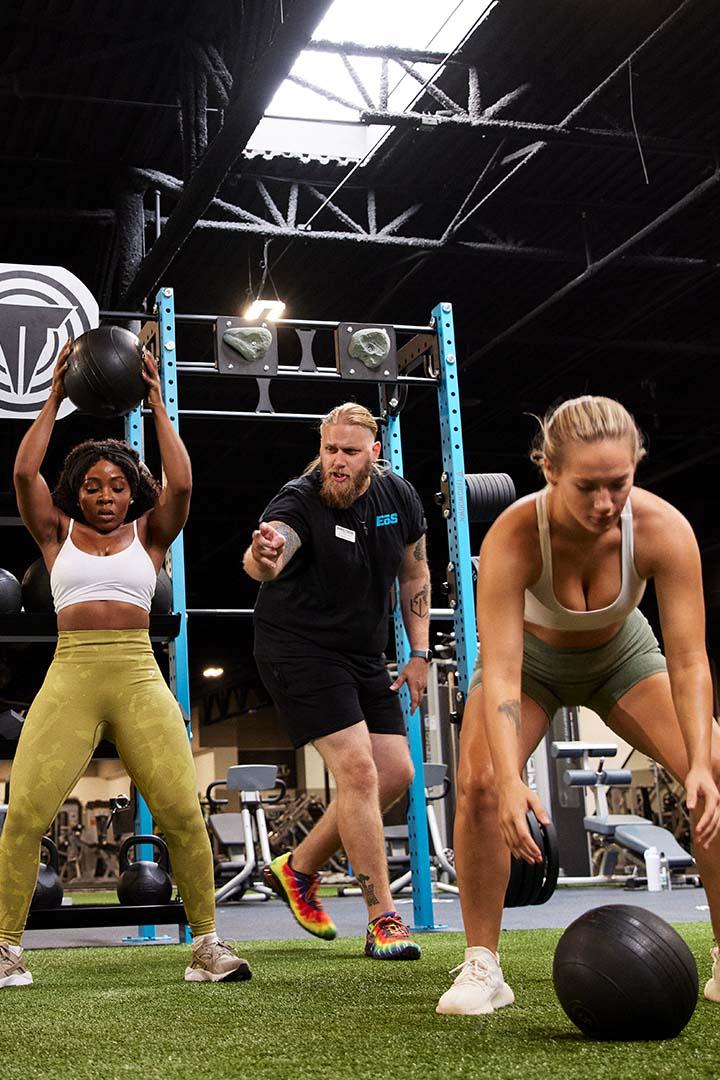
x: 334, y: 591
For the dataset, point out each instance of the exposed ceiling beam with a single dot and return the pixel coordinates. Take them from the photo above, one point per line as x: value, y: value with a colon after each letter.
x: 600, y: 264
x: 571, y: 118
x: 595, y: 138
x: 430, y: 244
x: 249, y: 101
x: 383, y: 52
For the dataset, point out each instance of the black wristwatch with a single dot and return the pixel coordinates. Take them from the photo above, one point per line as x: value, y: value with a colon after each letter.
x: 422, y: 654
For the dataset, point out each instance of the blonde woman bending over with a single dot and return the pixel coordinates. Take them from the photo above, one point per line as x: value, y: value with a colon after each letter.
x: 561, y: 575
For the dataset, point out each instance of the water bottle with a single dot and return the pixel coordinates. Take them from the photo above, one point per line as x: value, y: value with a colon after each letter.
x: 664, y: 872
x: 652, y: 869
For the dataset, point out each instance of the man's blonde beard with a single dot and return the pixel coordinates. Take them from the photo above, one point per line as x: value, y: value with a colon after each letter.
x: 343, y: 497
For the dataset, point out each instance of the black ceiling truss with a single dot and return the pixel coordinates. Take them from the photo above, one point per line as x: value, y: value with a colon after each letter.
x: 283, y: 224
x: 532, y: 152
x: 250, y: 97
x: 370, y: 107
x: 594, y: 138
x: 599, y: 265
x: 206, y: 167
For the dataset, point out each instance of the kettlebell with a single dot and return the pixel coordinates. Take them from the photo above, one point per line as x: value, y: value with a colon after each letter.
x: 48, y: 891
x: 144, y: 881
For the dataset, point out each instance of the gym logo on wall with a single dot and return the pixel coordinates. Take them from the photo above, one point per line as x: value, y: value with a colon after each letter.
x: 40, y: 308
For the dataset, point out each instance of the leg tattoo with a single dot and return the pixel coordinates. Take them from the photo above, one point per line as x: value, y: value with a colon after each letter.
x: 368, y: 889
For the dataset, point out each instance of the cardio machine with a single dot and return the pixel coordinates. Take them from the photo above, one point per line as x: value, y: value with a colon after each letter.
x: 243, y: 836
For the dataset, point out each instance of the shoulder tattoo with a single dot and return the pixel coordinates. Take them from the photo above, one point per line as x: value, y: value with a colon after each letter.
x: 420, y: 550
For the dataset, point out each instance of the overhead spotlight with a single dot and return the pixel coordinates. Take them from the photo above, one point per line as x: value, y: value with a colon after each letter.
x: 265, y: 309
x: 213, y: 672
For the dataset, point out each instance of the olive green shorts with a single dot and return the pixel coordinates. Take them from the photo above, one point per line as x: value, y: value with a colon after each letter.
x: 596, y: 677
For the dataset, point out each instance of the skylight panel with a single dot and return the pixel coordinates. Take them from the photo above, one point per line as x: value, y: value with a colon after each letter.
x: 315, y: 111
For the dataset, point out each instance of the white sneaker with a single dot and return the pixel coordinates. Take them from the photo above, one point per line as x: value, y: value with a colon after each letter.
x: 712, y: 986
x: 479, y: 988
x: 214, y: 961
x: 12, y: 967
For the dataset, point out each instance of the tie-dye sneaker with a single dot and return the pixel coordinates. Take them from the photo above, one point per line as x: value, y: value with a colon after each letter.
x: 388, y: 938
x: 299, y: 891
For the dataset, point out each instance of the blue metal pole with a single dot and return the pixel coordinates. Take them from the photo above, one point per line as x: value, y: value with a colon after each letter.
x: 175, y: 562
x: 179, y: 667
x: 178, y: 651
x: 423, y: 917
x: 456, y: 516
x: 143, y: 818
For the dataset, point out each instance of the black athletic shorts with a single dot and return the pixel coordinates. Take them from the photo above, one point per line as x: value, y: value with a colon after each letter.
x: 325, y: 692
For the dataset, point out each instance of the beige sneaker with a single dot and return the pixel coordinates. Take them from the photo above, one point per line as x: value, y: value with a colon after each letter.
x: 12, y: 968
x: 479, y: 988
x: 214, y: 961
x: 712, y: 986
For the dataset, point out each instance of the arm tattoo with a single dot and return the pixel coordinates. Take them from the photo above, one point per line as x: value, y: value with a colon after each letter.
x: 511, y: 708
x: 419, y: 603
x: 419, y: 551
x: 368, y: 889
x: 292, y: 540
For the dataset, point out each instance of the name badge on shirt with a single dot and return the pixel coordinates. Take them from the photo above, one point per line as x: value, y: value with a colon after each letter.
x: 345, y: 534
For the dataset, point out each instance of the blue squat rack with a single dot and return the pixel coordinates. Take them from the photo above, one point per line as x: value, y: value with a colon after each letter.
x: 433, y: 346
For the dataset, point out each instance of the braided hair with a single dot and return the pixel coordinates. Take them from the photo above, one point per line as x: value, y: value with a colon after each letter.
x: 144, y: 488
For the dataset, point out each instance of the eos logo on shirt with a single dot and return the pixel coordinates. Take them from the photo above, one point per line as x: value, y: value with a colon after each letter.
x: 386, y: 519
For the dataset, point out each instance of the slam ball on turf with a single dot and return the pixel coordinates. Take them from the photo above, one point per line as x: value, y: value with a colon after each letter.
x: 621, y: 972
x: 104, y: 372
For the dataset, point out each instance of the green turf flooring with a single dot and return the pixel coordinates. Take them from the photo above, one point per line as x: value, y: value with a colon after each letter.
x: 100, y: 896
x: 109, y: 896
x: 319, y: 1011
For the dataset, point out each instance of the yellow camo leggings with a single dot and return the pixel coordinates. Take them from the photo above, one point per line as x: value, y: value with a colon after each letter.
x: 104, y: 684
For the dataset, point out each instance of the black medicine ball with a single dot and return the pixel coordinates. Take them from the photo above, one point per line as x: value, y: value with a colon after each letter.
x: 10, y: 597
x: 104, y: 372
x: 621, y: 972
x: 36, y: 594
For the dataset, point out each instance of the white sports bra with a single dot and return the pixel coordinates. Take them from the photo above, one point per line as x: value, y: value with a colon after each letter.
x: 78, y: 577
x: 542, y: 606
